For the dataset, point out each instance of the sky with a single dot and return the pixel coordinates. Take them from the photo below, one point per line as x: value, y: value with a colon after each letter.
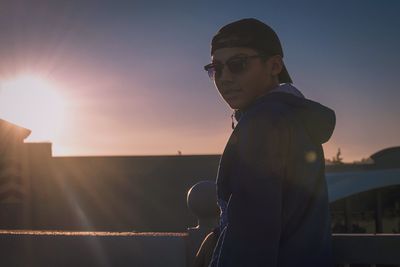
x: 126, y: 77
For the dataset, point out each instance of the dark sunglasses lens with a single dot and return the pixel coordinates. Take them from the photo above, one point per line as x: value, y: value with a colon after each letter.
x: 214, y: 70
x: 210, y: 70
x: 236, y: 66
x: 211, y: 73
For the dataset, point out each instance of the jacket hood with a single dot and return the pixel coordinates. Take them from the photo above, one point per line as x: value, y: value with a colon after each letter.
x: 318, y: 119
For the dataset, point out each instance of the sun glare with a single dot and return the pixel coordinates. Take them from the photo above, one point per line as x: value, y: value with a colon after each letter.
x: 34, y: 103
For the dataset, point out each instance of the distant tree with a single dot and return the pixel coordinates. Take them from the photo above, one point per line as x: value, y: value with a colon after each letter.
x: 337, y: 159
x: 179, y: 153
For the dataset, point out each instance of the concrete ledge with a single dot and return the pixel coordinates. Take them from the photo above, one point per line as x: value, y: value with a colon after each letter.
x: 366, y: 248
x: 64, y: 248
x: 61, y: 248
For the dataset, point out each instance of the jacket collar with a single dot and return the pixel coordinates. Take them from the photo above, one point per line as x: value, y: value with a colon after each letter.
x: 282, y: 88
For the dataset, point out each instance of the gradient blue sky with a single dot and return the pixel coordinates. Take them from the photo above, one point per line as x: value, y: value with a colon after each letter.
x: 131, y: 71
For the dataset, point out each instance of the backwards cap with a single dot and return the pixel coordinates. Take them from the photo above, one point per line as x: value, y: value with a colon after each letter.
x: 254, y: 34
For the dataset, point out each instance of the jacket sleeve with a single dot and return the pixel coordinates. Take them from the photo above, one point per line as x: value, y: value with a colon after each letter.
x: 255, y: 207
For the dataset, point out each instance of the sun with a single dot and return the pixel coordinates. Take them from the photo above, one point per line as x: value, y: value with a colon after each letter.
x: 34, y: 103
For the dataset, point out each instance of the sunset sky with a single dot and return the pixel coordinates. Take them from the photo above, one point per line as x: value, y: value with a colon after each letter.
x: 126, y: 77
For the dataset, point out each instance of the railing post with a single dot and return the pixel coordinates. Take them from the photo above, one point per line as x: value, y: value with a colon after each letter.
x: 202, y: 201
x: 378, y: 211
x: 348, y: 215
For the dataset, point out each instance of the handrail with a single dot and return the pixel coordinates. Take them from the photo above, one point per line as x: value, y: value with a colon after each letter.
x: 366, y: 248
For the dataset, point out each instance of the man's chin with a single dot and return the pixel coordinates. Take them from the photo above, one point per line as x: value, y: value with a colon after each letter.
x: 236, y: 101
x: 235, y: 104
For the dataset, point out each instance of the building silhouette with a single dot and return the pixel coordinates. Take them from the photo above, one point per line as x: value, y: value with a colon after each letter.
x: 130, y: 193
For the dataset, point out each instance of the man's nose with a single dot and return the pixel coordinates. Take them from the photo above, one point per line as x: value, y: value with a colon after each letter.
x: 223, y: 84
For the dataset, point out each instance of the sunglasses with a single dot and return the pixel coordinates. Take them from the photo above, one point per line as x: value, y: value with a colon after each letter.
x: 236, y: 65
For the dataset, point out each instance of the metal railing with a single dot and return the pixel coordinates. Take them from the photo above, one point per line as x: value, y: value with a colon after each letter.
x: 369, y: 249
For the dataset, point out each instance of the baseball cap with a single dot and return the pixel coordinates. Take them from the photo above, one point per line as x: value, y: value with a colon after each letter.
x: 251, y: 33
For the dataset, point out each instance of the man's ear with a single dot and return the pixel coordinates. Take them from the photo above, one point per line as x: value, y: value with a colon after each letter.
x: 276, y: 64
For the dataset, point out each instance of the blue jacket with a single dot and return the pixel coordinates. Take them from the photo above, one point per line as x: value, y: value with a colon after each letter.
x: 271, y: 186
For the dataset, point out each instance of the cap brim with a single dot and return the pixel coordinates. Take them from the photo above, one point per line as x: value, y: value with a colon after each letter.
x: 284, y: 76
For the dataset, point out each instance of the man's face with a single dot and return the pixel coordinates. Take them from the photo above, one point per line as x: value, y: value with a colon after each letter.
x: 241, y: 89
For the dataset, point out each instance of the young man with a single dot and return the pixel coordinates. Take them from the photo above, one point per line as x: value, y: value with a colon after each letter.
x: 271, y: 180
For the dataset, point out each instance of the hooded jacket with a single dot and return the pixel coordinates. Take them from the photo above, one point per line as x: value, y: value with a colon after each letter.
x: 271, y: 186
